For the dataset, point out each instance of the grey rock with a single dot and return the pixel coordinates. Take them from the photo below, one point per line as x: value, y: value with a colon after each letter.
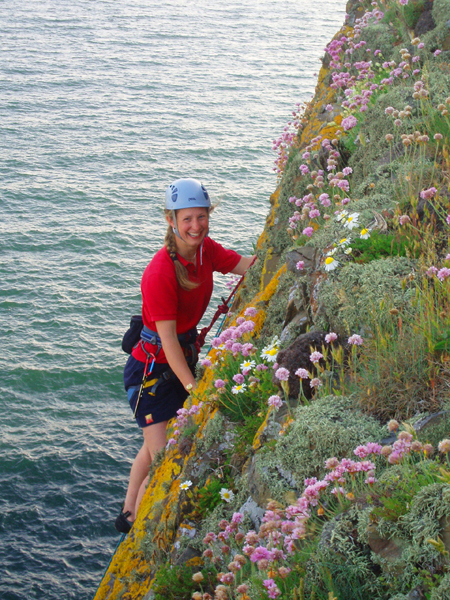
x: 254, y: 511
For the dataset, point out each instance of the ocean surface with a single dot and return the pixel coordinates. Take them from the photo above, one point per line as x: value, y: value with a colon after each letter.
x: 102, y: 104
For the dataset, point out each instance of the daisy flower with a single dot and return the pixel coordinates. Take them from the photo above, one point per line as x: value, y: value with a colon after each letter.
x: 248, y: 365
x: 239, y: 389
x: 270, y: 352
x: 185, y: 485
x: 365, y: 234
x: 352, y: 221
x: 330, y: 264
x: 342, y: 215
x: 344, y: 242
x: 226, y: 495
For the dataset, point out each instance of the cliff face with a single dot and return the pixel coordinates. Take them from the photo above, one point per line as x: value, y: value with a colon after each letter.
x: 281, y: 478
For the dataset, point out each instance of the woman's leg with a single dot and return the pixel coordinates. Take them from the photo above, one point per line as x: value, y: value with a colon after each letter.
x: 155, y: 437
x: 138, y: 473
x: 154, y: 441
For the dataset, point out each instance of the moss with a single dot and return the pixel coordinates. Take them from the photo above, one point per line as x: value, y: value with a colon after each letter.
x: 441, y: 11
x: 347, y: 296
x: 330, y: 426
x: 442, y: 592
x: 344, y: 562
x: 212, y: 433
x: 276, y: 313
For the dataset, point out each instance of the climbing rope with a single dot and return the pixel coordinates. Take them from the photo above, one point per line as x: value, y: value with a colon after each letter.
x: 122, y: 537
x: 222, y: 309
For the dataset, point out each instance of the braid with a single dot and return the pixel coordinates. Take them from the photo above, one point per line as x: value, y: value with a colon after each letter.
x: 181, y: 272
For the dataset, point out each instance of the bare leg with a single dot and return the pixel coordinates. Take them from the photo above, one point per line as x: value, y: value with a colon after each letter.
x: 154, y: 440
x: 139, y: 471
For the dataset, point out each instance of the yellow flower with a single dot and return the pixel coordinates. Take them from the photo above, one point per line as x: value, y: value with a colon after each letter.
x: 330, y: 264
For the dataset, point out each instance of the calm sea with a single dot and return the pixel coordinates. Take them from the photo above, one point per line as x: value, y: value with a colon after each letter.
x: 102, y: 104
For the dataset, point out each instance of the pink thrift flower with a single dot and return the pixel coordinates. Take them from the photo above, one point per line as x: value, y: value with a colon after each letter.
x: 302, y: 373
x: 282, y: 374
x: 315, y: 357
x: 370, y: 480
x: 355, y: 340
x: 219, y: 383
x: 437, y: 52
x: 404, y: 219
x: 308, y: 231
x: 275, y: 401
x: 448, y: 219
x: 314, y: 213
x: 171, y: 442
x: 331, y: 337
x: 361, y: 452
x: 238, y: 378
x: 432, y: 271
x: 349, y: 122
x: 300, y: 265
x: 347, y: 171
x: 250, y: 311
x: 329, y: 107
x: 443, y: 273
x: 315, y: 383
x: 206, y: 362
x: 426, y: 194
x: 447, y: 257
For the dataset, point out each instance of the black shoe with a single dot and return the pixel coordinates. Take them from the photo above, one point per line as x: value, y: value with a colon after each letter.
x: 122, y: 524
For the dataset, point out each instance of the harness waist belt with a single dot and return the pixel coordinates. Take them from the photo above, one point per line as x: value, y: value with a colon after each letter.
x: 153, y: 338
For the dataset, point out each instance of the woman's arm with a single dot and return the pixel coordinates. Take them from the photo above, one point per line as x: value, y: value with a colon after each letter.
x: 243, y: 265
x: 167, y: 331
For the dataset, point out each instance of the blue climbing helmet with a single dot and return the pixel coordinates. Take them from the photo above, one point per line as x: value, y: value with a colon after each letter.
x: 186, y: 193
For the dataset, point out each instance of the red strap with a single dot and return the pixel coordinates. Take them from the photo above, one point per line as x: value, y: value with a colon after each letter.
x: 222, y: 309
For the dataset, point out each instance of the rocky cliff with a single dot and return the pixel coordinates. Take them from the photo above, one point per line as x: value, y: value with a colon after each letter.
x: 313, y: 459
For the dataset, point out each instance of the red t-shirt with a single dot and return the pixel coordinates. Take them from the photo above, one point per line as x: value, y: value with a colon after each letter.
x: 164, y: 300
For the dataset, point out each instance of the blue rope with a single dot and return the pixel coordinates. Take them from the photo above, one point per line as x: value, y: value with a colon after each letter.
x: 122, y: 537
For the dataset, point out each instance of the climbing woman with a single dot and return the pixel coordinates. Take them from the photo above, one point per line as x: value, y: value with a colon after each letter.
x: 176, y: 288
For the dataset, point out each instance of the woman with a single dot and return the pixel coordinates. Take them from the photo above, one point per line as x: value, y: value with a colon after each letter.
x: 176, y: 288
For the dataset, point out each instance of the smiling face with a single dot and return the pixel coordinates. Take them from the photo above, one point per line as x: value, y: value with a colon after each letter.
x: 193, y: 226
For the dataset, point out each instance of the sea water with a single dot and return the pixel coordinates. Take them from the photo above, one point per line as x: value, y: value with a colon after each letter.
x: 102, y: 104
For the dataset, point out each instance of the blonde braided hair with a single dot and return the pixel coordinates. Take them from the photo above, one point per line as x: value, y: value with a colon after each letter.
x: 181, y: 272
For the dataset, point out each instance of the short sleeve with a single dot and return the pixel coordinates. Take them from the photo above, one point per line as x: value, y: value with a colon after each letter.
x: 223, y: 260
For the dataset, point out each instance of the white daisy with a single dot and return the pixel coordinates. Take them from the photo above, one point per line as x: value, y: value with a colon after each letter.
x: 352, y: 221
x: 330, y: 264
x: 270, y: 352
x: 348, y: 250
x: 248, y: 364
x: 185, y: 485
x: 226, y: 495
x: 344, y: 242
x: 238, y: 389
x: 365, y: 234
x: 342, y: 215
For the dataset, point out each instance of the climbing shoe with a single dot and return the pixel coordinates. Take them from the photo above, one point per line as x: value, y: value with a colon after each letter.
x: 122, y: 524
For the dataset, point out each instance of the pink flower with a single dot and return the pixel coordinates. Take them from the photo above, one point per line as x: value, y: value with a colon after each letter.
x: 300, y: 265
x: 447, y: 257
x: 331, y: 337
x: 361, y: 452
x: 314, y: 213
x: 324, y: 199
x: 421, y: 45
x: 443, y: 273
x: 403, y: 2
x: 171, y: 442
x: 282, y: 374
x: 275, y: 401
x: 206, y: 362
x: 437, y: 52
x: 349, y: 122
x: 370, y: 480
x: 347, y: 171
x: 432, y: 271
x: 237, y: 517
x: 448, y: 219
x: 315, y: 383
x: 355, y: 340
x: 260, y: 553
x: 250, y: 311
x: 219, y: 383
x: 426, y: 194
x: 404, y: 219
x: 238, y: 378
x: 302, y: 373
x: 329, y: 107
x: 308, y: 231
x: 315, y: 357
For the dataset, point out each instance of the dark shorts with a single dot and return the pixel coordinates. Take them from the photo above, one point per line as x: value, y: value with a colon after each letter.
x: 169, y: 394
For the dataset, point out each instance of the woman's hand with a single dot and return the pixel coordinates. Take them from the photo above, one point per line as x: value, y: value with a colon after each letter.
x: 167, y: 331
